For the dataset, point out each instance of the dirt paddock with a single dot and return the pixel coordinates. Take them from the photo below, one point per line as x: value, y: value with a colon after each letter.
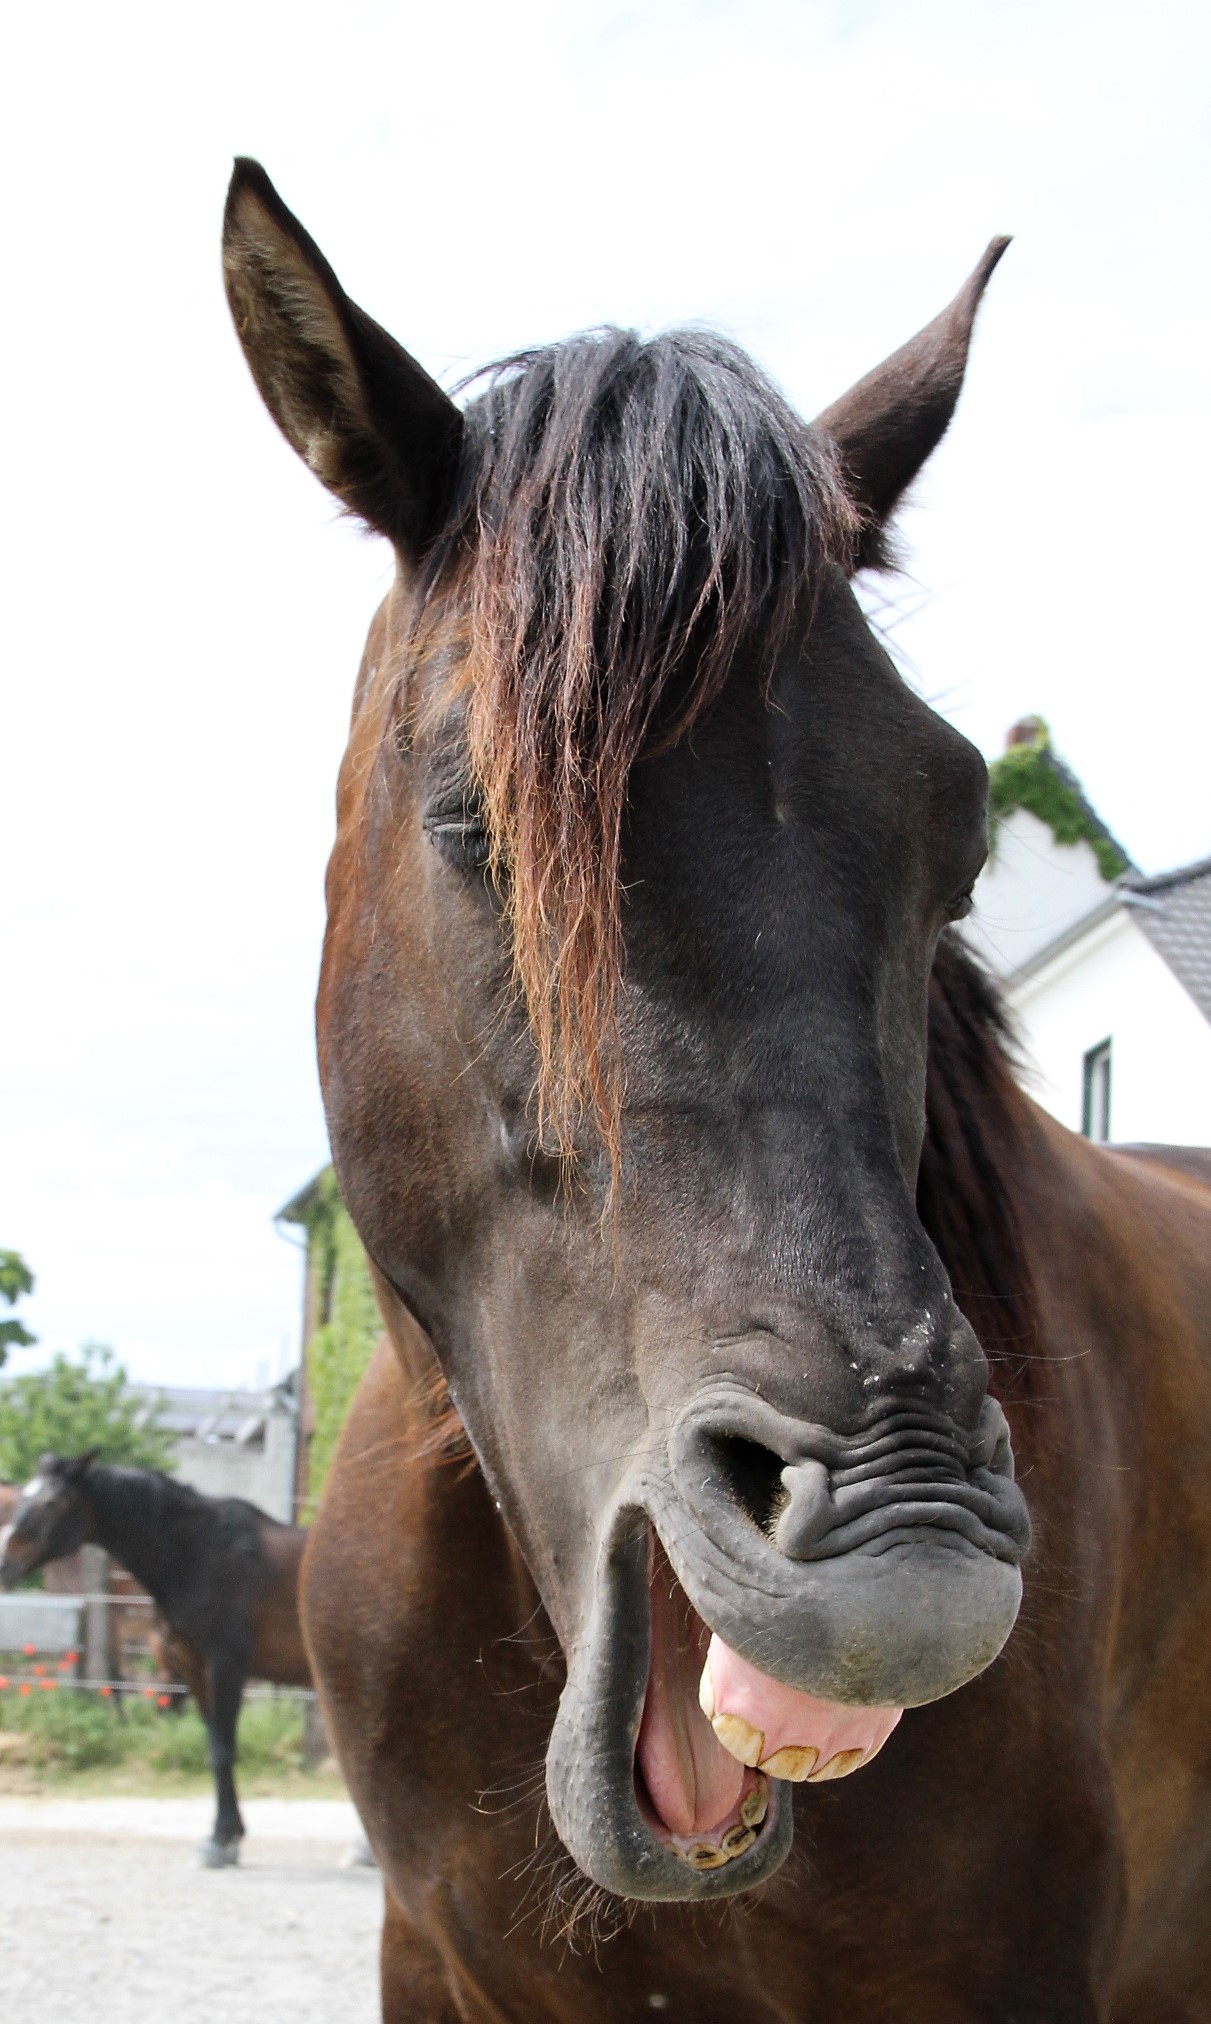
x: 104, y: 1920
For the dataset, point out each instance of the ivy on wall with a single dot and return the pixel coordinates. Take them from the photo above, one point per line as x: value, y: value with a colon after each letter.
x: 348, y: 1323
x: 1028, y: 775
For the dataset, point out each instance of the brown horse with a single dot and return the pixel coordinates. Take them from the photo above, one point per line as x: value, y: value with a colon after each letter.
x: 224, y: 1577
x: 701, y: 1197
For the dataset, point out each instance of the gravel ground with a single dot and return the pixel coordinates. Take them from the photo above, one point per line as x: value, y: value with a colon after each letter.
x: 105, y: 1920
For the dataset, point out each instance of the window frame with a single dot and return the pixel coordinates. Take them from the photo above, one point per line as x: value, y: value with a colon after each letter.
x: 1097, y: 1071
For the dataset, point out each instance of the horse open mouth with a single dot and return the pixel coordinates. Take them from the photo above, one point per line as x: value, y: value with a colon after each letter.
x: 715, y: 1731
x: 716, y: 1669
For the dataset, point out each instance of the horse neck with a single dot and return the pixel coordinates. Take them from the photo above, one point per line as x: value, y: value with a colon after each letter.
x: 133, y: 1511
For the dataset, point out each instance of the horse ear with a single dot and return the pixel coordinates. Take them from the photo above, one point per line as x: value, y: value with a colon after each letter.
x: 889, y: 423
x: 79, y: 1465
x: 364, y: 415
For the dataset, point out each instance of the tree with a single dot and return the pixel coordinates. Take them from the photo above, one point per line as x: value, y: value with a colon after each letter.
x: 15, y: 1279
x: 74, y: 1405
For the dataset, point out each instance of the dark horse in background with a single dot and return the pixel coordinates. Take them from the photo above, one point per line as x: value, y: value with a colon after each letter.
x: 223, y: 1575
x: 714, y: 1234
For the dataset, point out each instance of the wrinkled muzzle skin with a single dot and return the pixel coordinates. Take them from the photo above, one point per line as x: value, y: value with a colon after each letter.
x: 740, y: 1430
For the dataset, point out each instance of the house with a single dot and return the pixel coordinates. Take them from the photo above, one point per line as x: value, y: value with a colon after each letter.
x: 231, y: 1443
x: 1107, y: 972
x: 341, y: 1325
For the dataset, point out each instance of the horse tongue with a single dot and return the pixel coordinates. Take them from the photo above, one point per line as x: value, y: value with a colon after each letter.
x: 693, y: 1785
x: 784, y: 1733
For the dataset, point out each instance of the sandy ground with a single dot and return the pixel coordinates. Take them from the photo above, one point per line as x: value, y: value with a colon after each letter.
x: 105, y: 1917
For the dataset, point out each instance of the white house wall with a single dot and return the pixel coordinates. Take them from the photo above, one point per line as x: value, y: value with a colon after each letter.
x: 264, y: 1474
x: 1112, y: 985
x: 1030, y: 891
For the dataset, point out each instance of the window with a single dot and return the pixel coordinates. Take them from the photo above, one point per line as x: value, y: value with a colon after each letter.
x: 1095, y: 1108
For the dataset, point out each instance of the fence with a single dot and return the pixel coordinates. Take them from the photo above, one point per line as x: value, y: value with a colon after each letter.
x: 77, y: 1628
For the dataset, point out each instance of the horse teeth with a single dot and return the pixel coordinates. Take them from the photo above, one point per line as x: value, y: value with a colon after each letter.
x: 754, y: 1804
x: 739, y: 1738
x: 795, y: 1761
x: 736, y: 1840
x: 706, y: 1694
x: 839, y: 1766
x: 704, y: 1855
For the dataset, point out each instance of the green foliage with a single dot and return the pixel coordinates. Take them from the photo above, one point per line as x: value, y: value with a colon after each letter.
x: 74, y: 1732
x: 70, y: 1731
x: 76, y: 1405
x: 349, y: 1321
x: 15, y: 1279
x: 1028, y: 776
x: 15, y: 1276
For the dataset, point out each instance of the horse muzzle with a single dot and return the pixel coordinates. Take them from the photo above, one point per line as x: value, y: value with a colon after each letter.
x: 802, y: 1589
x: 876, y: 1569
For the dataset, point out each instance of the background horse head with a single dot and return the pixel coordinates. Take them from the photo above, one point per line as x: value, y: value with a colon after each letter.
x: 644, y: 853
x: 52, y: 1515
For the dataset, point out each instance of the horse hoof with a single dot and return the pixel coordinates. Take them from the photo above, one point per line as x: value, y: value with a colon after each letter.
x: 218, y: 1854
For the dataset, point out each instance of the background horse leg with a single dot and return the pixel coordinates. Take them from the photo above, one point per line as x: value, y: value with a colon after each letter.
x: 225, y: 1676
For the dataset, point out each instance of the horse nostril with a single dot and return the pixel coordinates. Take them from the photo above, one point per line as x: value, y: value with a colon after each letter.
x: 788, y: 1501
x: 807, y: 1511
x: 752, y: 1476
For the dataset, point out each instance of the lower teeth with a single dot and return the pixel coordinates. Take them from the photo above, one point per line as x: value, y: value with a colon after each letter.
x: 735, y: 1840
x: 753, y: 1805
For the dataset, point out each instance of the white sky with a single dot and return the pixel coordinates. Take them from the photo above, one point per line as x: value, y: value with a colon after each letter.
x: 183, y: 613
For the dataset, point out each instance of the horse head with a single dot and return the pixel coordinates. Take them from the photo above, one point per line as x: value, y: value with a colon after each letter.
x: 644, y: 849
x: 53, y: 1515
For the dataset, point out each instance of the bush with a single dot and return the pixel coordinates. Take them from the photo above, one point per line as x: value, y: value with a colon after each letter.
x: 67, y: 1730
x: 70, y: 1731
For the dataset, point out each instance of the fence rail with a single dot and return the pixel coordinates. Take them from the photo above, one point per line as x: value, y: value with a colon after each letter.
x: 51, y: 1623
x: 148, y: 1690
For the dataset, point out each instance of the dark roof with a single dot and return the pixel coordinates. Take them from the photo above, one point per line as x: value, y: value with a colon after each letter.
x: 1174, y: 912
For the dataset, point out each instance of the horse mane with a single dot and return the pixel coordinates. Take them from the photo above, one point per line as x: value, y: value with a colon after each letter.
x: 155, y: 1497
x: 972, y: 1121
x: 629, y: 517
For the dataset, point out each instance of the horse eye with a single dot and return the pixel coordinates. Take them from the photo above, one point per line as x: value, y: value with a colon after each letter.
x: 461, y: 839
x: 959, y: 908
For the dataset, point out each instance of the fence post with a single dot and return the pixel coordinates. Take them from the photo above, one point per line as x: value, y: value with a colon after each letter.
x: 98, y: 1639
x: 315, y: 1736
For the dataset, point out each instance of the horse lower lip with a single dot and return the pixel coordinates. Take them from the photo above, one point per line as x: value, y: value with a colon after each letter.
x: 596, y: 1791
